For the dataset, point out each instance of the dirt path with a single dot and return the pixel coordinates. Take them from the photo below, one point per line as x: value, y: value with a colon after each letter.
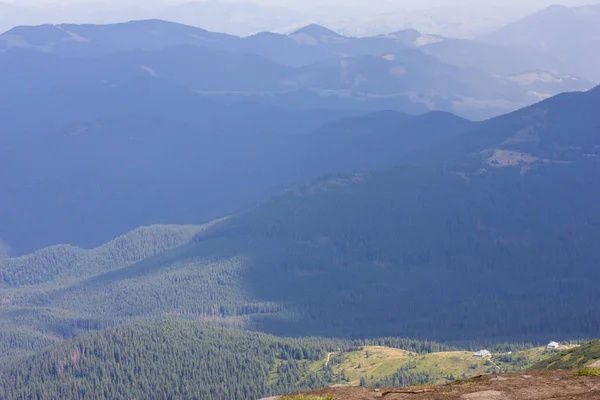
x: 538, y: 385
x: 328, y: 358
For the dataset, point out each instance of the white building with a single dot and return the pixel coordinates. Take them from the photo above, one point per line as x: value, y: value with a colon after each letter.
x: 482, y: 354
x: 552, y: 346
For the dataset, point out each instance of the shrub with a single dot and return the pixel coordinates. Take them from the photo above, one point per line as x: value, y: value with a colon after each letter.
x: 587, y: 372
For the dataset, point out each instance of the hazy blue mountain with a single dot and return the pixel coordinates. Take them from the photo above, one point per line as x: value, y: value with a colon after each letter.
x: 509, y: 204
x: 569, y: 34
x: 315, y: 31
x: 85, y: 40
x: 196, y: 68
x: 498, y: 59
x: 126, y: 155
x: 407, y: 80
x: 343, y: 100
x: 315, y: 43
x: 539, y: 73
x: 304, y: 46
x: 407, y: 37
x: 308, y: 45
x: 69, y: 262
x: 400, y: 72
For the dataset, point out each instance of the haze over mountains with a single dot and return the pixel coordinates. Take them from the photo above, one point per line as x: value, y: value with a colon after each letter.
x: 300, y: 184
x: 249, y: 101
x: 569, y: 34
x: 472, y: 213
x: 462, y: 18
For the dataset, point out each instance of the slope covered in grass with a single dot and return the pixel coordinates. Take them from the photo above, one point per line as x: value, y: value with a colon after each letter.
x: 577, y: 357
x: 387, y: 366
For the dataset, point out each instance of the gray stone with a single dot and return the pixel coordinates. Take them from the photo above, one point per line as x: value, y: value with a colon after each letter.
x: 486, y: 395
x: 595, y: 365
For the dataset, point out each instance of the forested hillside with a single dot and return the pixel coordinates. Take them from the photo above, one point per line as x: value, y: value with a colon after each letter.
x: 182, y: 359
x: 177, y: 358
x: 153, y: 122
x: 498, y: 225
x: 101, y: 162
x: 186, y: 214
x: 68, y: 262
x: 508, y: 208
x: 174, y: 359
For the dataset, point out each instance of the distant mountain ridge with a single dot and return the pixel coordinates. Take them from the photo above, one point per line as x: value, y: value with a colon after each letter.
x: 508, y: 203
x: 315, y: 30
x: 68, y: 262
x: 133, y: 84
x: 107, y: 151
x: 85, y: 40
x: 569, y: 34
x: 505, y: 78
x: 409, y: 75
x: 303, y: 46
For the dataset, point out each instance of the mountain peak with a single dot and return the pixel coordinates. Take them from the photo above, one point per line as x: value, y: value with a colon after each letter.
x: 315, y: 30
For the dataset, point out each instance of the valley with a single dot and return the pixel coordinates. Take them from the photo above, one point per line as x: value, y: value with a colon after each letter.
x: 196, y: 359
x: 189, y: 214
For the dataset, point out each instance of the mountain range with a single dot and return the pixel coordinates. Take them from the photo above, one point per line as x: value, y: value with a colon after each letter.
x: 303, y: 46
x: 498, y: 223
x: 193, y: 214
x: 226, y: 105
x: 529, y: 75
x: 73, y: 165
x: 568, y: 34
x: 464, y: 19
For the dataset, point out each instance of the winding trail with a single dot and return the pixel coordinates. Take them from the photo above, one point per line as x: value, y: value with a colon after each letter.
x: 328, y: 358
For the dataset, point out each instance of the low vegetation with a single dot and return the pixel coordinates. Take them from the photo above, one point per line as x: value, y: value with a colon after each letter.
x: 577, y: 357
x: 385, y: 366
x: 300, y: 397
x: 587, y: 372
x: 199, y: 360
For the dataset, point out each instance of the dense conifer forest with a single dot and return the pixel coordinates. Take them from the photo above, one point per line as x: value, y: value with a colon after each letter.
x: 180, y: 359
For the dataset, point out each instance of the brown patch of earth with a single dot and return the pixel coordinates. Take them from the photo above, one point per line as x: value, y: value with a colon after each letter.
x: 537, y: 385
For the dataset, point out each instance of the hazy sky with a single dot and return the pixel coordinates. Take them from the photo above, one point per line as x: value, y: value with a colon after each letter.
x: 458, y: 18
x: 411, y: 4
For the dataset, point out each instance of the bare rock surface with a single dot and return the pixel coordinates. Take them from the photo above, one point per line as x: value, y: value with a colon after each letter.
x: 595, y: 365
x: 536, y: 385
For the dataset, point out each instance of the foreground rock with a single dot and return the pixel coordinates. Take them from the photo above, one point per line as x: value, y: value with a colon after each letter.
x: 546, y: 385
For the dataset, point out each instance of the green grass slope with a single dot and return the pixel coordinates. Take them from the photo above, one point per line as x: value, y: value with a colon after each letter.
x: 577, y: 357
x: 383, y: 366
